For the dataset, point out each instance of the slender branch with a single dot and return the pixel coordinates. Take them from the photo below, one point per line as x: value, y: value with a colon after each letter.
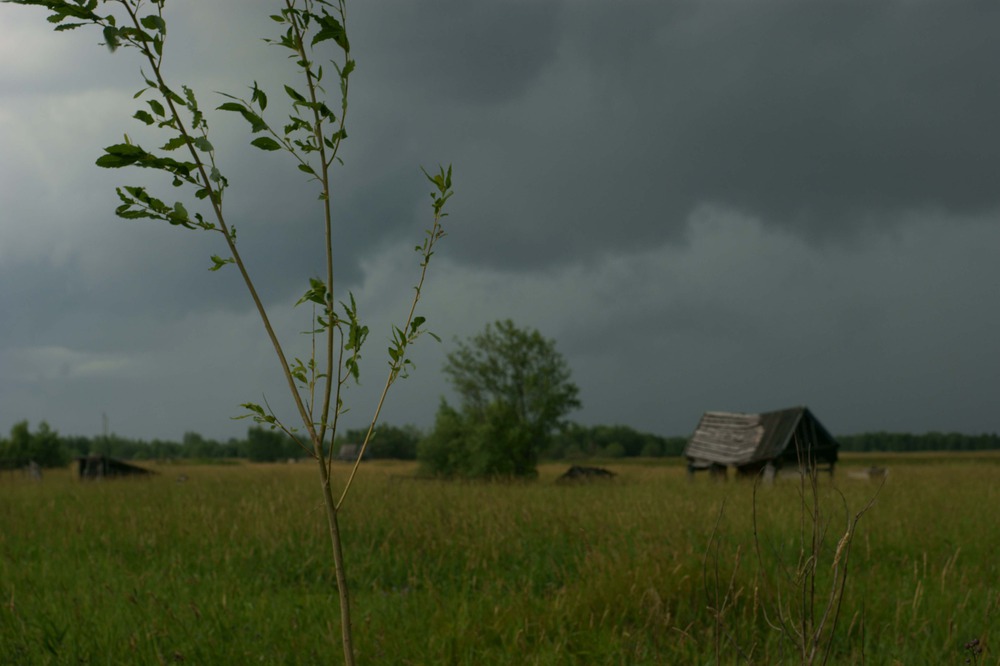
x: 216, y: 200
x: 433, y: 235
x: 336, y: 411
x: 324, y: 177
x: 325, y: 460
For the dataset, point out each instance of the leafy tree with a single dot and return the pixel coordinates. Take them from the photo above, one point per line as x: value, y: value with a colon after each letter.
x: 46, y: 447
x: 43, y: 447
x: 17, y: 449
x: 515, y: 390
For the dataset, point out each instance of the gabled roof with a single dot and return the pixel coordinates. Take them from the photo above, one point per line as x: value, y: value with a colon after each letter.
x: 729, y: 438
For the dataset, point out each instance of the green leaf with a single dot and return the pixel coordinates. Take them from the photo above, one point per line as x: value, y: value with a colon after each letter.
x: 317, y: 293
x: 172, y: 96
x: 111, y: 38
x: 202, y: 143
x: 179, y: 216
x: 295, y: 95
x: 257, y: 413
x: 257, y: 409
x: 156, y: 107
x: 218, y: 262
x: 135, y: 34
x: 68, y: 26
x: 266, y: 143
x: 154, y: 22
x: 120, y: 155
x: 307, y: 169
x: 259, y: 97
x: 330, y: 28
x: 174, y: 143
x: 62, y: 10
x: 257, y: 124
x: 144, y: 117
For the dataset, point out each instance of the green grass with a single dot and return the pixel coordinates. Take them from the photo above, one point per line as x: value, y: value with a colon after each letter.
x: 232, y: 566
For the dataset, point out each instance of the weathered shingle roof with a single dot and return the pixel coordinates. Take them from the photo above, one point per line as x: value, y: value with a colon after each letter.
x: 729, y: 438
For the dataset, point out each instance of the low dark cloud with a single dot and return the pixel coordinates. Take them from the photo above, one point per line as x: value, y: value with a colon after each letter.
x: 823, y: 119
x: 461, y: 52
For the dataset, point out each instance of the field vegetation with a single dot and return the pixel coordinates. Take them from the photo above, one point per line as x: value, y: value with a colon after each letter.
x: 226, y: 567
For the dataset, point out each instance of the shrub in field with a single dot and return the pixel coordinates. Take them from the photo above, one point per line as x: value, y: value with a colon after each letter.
x: 515, y: 390
x: 312, y: 139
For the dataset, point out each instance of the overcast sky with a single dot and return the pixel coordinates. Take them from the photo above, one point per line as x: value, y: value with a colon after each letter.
x: 708, y: 205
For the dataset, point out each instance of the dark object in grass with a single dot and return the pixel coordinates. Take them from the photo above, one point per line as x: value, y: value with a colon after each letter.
x: 578, y: 473
x: 95, y: 467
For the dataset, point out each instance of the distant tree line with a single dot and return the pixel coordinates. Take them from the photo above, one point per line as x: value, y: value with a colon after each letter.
x: 48, y: 449
x: 611, y: 441
x: 931, y: 441
x: 388, y: 442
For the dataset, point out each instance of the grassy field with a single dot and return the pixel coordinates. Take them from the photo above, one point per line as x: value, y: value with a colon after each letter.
x: 231, y: 567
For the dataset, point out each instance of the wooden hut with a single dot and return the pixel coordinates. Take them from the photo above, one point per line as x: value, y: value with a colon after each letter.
x: 349, y: 452
x: 754, y: 443
x: 104, y: 467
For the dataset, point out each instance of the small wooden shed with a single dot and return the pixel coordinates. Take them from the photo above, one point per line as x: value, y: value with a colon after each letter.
x: 754, y: 443
x: 104, y: 467
x: 349, y: 453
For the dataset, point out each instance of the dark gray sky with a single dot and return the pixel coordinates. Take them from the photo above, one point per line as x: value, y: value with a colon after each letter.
x: 707, y: 205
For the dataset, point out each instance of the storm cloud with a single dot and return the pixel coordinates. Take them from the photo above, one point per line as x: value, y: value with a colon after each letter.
x: 708, y: 205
